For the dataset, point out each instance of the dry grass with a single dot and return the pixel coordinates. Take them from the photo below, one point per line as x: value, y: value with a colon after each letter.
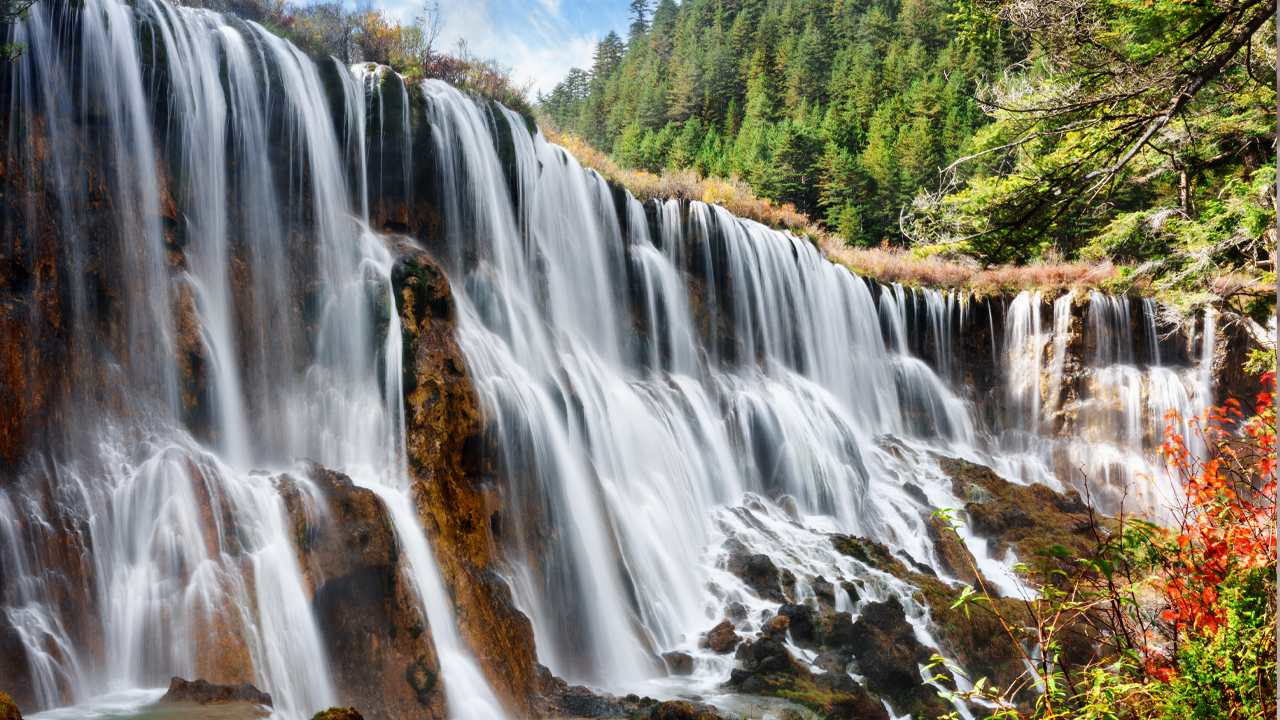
x: 883, y: 264
x: 731, y: 194
x: 901, y: 266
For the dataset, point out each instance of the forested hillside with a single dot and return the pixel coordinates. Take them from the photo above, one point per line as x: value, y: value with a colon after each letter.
x: 845, y: 108
x: 1138, y: 132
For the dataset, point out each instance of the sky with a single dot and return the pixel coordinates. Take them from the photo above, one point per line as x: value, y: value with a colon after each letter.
x: 539, y: 39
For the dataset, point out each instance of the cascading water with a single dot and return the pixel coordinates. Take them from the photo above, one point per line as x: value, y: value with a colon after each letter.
x: 662, y: 382
x: 188, y: 564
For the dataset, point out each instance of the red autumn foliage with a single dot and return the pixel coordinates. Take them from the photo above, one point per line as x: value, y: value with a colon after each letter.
x: 1227, y: 514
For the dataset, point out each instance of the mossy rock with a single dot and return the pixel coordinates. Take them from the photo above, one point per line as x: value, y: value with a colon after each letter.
x: 8, y: 709
x: 870, y: 552
x: 1033, y: 519
x: 338, y: 713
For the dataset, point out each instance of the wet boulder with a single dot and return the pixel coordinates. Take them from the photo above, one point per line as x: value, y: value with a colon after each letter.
x: 678, y: 663
x: 836, y: 661
x: 722, y: 637
x: 836, y: 629
x: 775, y: 628
x: 887, y: 649
x: 767, y: 656
x: 756, y: 571
x: 824, y: 590
x: 838, y: 683
x: 800, y: 619
x: 852, y: 591
x: 207, y: 693
x: 915, y: 493
x: 736, y: 611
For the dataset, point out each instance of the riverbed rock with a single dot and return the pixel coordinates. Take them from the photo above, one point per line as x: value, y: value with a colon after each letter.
x: 722, y: 637
x: 207, y: 693
x: 556, y: 698
x: 683, y: 710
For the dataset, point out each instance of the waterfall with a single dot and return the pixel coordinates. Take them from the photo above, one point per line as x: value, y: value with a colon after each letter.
x: 186, y: 560
x: 662, y: 384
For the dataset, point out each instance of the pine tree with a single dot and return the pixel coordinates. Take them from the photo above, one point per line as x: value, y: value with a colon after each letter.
x: 688, y: 145
x: 639, y: 19
x: 608, y: 57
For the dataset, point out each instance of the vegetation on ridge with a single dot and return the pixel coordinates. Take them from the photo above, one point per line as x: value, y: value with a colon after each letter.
x: 367, y: 34
x: 1127, y: 133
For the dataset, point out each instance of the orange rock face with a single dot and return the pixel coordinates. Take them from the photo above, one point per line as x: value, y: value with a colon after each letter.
x: 442, y: 421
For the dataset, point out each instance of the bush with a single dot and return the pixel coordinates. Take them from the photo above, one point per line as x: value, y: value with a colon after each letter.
x: 1160, y: 623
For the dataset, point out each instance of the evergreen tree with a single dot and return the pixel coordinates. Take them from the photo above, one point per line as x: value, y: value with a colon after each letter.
x: 639, y: 19
x: 608, y: 57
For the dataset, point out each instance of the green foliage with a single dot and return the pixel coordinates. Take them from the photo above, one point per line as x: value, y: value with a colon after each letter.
x: 13, y: 11
x: 1230, y: 674
x: 1135, y: 131
x: 842, y: 108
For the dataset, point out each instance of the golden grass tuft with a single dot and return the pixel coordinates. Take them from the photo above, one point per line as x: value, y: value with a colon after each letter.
x: 885, y: 264
x: 902, y: 266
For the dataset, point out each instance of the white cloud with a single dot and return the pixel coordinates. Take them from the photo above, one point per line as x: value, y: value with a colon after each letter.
x: 533, y: 38
x: 539, y: 39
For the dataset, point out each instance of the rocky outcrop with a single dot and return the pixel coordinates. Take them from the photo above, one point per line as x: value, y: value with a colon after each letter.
x: 380, y: 649
x: 953, y: 557
x: 887, y: 649
x: 558, y: 699
x: 768, y: 668
x: 443, y: 429
x: 1028, y: 518
x: 207, y: 693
